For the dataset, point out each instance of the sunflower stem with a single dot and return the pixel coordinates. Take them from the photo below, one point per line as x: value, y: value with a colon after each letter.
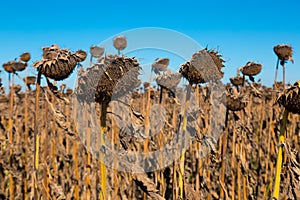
x: 280, y: 154
x: 104, y: 106
x: 11, y: 105
x: 36, y: 136
x: 184, y: 128
x: 283, y: 74
x: 276, y: 73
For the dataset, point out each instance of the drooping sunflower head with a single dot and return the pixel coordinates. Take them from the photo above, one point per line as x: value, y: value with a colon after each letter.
x: 204, y: 66
x: 58, y: 63
x: 25, y: 57
x: 160, y: 64
x: 29, y: 80
x: 251, y: 69
x: 169, y: 81
x: 236, y: 81
x: 284, y: 52
x: 235, y: 101
x: 13, y: 66
x: 290, y: 98
x: 117, y: 79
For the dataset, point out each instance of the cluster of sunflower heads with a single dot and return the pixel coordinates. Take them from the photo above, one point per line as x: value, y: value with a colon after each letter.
x: 290, y: 98
x: 284, y: 52
x: 17, y: 65
x: 117, y: 79
x: 204, y: 66
x: 58, y: 63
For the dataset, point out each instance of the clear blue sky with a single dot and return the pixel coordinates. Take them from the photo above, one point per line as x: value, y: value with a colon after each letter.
x: 241, y: 30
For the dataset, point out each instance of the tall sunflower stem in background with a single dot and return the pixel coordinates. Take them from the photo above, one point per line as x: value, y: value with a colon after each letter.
x: 276, y: 73
x: 283, y: 74
x: 280, y: 155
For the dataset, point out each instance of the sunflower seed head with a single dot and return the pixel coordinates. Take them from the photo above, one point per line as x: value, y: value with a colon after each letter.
x: 160, y: 64
x: 204, y: 66
x: 290, y: 98
x: 120, y: 42
x: 13, y: 66
x: 235, y: 101
x: 236, y: 81
x: 169, y: 81
x: 96, y: 51
x: 251, y: 69
x: 29, y: 80
x: 117, y: 78
x: 57, y: 63
x: 284, y: 52
x: 80, y: 55
x: 25, y: 57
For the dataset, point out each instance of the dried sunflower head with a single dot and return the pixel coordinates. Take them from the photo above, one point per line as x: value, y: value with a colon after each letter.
x: 13, y: 66
x: 80, y: 55
x: 117, y: 78
x: 284, y: 52
x: 191, y: 73
x: 290, y: 98
x: 169, y: 81
x: 29, y: 80
x: 120, y: 42
x: 96, y: 51
x: 236, y: 81
x: 203, y: 67
x: 57, y: 63
x: 160, y: 64
x: 251, y: 69
x: 25, y: 57
x: 235, y: 101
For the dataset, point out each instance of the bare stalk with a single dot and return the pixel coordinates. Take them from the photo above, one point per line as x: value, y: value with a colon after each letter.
x: 11, y: 105
x: 276, y: 73
x: 184, y: 127
x: 280, y: 155
x: 104, y: 106
x: 36, y: 136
